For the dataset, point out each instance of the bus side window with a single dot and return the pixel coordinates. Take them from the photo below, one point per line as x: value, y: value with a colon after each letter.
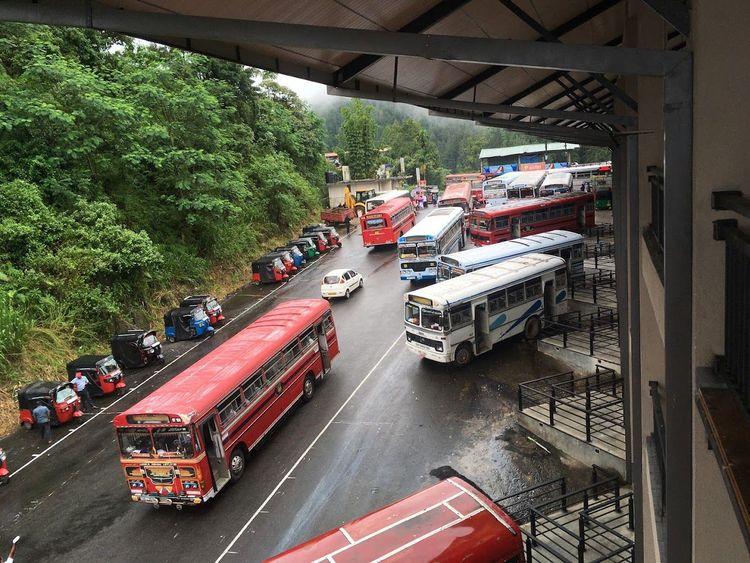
x: 533, y: 288
x: 501, y: 222
x: 252, y: 386
x: 230, y: 408
x: 496, y: 301
x: 578, y: 252
x: 327, y: 322
x: 460, y: 316
x: 561, y: 278
x: 515, y: 294
x: 273, y: 368
x: 308, y: 338
x: 292, y: 352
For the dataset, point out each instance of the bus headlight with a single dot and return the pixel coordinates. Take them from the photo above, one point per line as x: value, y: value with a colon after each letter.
x: 136, y: 485
x: 187, y: 485
x: 439, y: 347
x: 431, y: 264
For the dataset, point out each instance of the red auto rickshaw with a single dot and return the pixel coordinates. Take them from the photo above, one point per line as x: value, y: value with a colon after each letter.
x: 320, y: 240
x: 210, y: 305
x: 331, y: 235
x: 268, y: 269
x: 60, y: 398
x: 102, y: 372
x: 286, y: 258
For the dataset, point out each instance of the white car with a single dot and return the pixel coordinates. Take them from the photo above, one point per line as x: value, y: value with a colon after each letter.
x: 340, y: 283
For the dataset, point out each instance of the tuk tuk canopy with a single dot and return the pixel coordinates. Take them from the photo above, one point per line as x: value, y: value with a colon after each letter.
x: 39, y: 391
x: 179, y: 318
x: 127, y: 346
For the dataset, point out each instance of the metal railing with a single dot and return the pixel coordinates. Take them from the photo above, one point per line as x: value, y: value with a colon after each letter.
x: 599, y: 232
x: 658, y: 437
x: 591, y: 406
x: 602, y: 253
x: 598, y: 331
x: 600, y: 286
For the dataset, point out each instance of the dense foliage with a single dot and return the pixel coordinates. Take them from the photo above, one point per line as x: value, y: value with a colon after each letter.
x: 357, y: 139
x: 128, y: 170
x: 409, y: 140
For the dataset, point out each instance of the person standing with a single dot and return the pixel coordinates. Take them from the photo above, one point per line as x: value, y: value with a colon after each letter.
x: 348, y: 222
x: 41, y: 416
x: 81, y: 385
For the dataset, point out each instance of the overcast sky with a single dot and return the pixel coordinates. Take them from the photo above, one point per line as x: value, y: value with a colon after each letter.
x: 308, y: 91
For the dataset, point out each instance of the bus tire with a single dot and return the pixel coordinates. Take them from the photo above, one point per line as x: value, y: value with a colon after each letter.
x: 308, y: 388
x: 236, y: 464
x: 532, y: 328
x: 463, y: 355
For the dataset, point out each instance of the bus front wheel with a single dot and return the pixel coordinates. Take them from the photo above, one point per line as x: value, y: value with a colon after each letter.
x: 532, y: 329
x: 463, y: 355
x: 237, y: 464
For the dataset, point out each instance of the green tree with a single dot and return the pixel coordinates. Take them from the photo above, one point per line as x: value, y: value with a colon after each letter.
x: 357, y: 139
x: 409, y: 139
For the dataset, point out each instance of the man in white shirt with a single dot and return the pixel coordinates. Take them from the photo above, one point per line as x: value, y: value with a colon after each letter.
x: 81, y: 385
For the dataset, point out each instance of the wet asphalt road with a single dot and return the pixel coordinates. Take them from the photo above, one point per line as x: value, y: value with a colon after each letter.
x: 378, y: 426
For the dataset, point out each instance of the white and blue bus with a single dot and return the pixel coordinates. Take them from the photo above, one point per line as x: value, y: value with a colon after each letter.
x: 567, y: 244
x: 441, y: 232
x: 455, y: 320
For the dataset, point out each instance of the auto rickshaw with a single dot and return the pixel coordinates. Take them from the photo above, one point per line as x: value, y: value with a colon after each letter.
x: 320, y: 240
x: 286, y: 259
x: 331, y: 235
x: 136, y: 348
x: 102, y: 372
x: 60, y: 398
x: 268, y: 269
x: 210, y: 305
x: 186, y: 323
x: 297, y: 256
x: 307, y: 246
x: 433, y: 193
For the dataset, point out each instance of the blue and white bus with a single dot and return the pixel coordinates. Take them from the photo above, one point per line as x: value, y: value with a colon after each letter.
x: 566, y: 244
x: 441, y: 232
x: 457, y: 319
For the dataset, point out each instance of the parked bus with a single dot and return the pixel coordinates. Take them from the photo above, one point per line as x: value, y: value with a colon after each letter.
x: 566, y: 244
x: 571, y: 212
x: 586, y: 173
x: 457, y: 319
x: 463, y: 177
x: 452, y: 520
x: 457, y: 195
x: 387, y: 222
x: 188, y: 439
x: 526, y: 184
x: 556, y: 183
x: 381, y: 198
x: 495, y: 190
x: 441, y: 232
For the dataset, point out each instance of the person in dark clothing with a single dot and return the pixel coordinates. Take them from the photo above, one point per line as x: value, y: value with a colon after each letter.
x: 41, y: 416
x: 348, y: 222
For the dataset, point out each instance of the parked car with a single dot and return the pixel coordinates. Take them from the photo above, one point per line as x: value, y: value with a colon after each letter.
x: 340, y: 283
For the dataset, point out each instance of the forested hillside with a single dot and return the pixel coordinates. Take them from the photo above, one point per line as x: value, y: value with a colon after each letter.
x: 128, y: 175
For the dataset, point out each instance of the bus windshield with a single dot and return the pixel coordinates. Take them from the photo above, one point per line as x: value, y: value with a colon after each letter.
x: 173, y: 442
x: 426, y: 250
x: 134, y: 442
x: 407, y: 251
x: 426, y: 318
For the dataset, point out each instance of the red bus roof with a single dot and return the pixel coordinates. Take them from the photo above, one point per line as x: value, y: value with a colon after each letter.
x: 465, y: 177
x: 521, y: 205
x: 199, y: 388
x: 460, y: 190
x: 449, y: 521
x: 390, y: 207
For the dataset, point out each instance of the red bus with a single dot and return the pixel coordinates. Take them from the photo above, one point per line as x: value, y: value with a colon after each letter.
x: 449, y: 521
x: 465, y: 177
x: 387, y: 222
x: 519, y: 218
x: 188, y: 439
x: 457, y: 195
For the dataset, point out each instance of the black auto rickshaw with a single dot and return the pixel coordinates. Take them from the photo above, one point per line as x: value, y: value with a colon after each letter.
x: 59, y: 397
x: 185, y: 323
x: 210, y: 305
x: 136, y: 348
x: 102, y: 372
x: 269, y: 269
x: 332, y: 236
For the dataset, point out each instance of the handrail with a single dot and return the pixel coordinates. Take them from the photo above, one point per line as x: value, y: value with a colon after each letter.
x: 659, y: 437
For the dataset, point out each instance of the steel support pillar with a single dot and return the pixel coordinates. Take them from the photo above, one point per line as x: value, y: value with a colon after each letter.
x: 678, y: 308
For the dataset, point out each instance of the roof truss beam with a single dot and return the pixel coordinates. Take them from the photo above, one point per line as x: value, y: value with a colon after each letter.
x: 507, y: 52
x: 559, y: 31
x: 674, y: 12
x: 419, y: 24
x: 553, y: 38
x: 424, y: 101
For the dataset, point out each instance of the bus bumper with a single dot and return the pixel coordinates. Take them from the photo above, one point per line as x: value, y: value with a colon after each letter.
x: 429, y: 353
x: 419, y: 275
x: 183, y: 500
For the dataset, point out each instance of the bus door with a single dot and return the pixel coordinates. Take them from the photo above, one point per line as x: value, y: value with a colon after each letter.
x: 549, y: 298
x: 323, y: 345
x: 215, y: 452
x: 515, y: 227
x: 481, y: 328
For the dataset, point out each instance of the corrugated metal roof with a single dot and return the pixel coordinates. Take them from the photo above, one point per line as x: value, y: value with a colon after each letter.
x: 526, y: 149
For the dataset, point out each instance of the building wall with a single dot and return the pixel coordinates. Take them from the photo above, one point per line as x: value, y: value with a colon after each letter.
x: 721, y: 136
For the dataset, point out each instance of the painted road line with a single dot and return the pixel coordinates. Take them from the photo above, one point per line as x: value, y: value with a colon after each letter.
x: 307, y: 450
x: 104, y: 409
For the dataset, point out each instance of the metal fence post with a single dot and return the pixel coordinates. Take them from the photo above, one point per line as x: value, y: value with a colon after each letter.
x: 581, y: 538
x: 528, y: 550
x: 591, y: 337
x: 552, y: 408
x: 520, y: 398
x: 533, y: 527
x: 588, y: 415
x: 563, y: 492
x: 631, y: 516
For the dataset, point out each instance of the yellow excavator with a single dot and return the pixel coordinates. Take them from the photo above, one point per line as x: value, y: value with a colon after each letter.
x: 353, y: 206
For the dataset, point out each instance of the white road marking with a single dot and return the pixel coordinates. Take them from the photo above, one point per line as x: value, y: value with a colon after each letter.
x: 307, y: 450
x: 157, y: 372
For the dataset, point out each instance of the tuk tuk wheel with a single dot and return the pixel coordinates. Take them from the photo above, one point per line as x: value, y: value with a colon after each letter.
x: 170, y: 339
x: 236, y: 464
x: 26, y: 425
x: 339, y: 245
x: 5, y: 480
